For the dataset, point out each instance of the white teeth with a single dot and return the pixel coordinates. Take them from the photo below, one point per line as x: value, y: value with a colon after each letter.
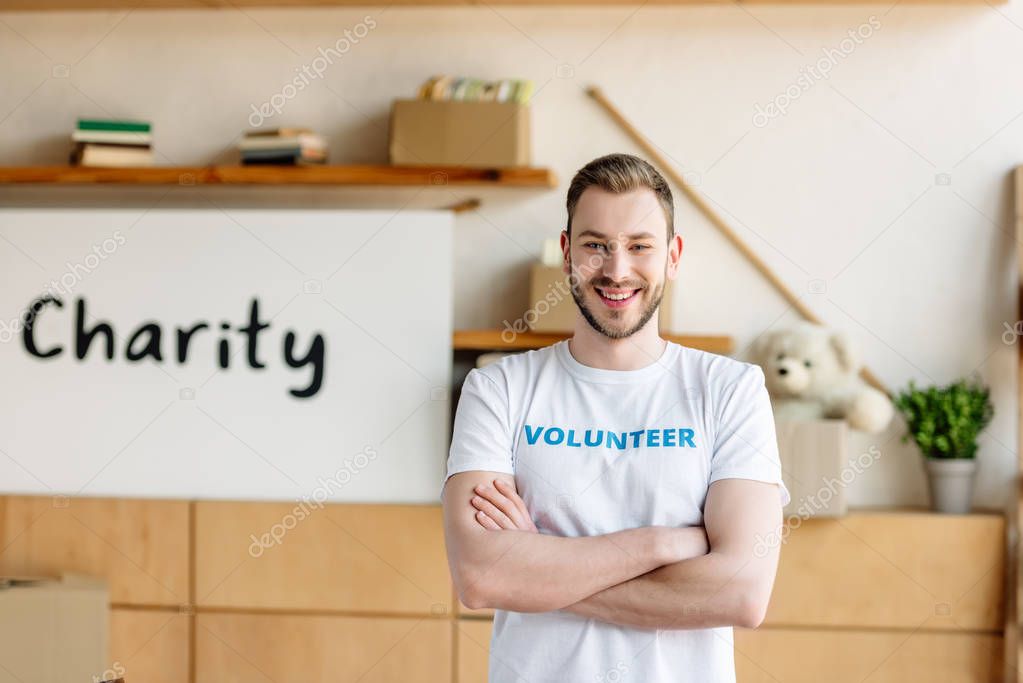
x: 615, y: 297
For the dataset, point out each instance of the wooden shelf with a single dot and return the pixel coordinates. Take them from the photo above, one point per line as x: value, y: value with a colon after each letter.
x: 500, y: 340
x: 362, y: 175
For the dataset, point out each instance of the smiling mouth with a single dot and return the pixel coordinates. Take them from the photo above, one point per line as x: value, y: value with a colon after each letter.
x: 617, y: 298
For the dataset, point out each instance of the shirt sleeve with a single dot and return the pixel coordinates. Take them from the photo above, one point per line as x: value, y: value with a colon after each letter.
x: 481, y: 439
x: 746, y: 446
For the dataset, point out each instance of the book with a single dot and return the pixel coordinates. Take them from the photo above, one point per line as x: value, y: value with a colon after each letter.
x: 305, y: 141
x: 117, y: 156
x: 291, y: 145
x: 476, y: 90
x: 294, y: 152
x: 282, y: 161
x: 279, y: 132
x: 114, y: 125
x: 112, y: 137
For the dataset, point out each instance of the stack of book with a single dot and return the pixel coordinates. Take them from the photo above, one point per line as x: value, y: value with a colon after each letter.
x: 105, y: 142
x: 287, y: 146
x: 476, y: 90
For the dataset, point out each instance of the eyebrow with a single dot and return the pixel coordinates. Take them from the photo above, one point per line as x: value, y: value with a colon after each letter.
x: 636, y: 236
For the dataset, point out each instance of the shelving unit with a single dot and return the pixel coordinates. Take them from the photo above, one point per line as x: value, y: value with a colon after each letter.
x: 503, y: 340
x: 348, y: 175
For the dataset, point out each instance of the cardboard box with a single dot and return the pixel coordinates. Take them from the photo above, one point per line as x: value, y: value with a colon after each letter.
x: 54, y: 630
x: 453, y: 133
x: 552, y: 308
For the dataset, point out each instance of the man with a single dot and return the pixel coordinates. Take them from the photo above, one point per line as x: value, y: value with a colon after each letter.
x: 610, y: 495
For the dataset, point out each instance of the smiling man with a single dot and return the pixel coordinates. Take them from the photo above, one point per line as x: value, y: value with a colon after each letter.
x: 610, y: 495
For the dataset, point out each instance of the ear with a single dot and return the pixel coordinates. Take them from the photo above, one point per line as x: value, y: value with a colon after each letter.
x: 845, y: 350
x: 566, y: 250
x: 674, y: 256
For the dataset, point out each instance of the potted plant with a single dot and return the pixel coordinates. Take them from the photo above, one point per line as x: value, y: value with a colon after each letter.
x: 945, y: 422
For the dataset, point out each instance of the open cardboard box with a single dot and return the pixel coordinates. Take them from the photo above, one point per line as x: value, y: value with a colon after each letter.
x: 53, y: 630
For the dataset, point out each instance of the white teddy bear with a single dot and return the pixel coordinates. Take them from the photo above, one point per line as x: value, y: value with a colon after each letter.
x: 812, y: 372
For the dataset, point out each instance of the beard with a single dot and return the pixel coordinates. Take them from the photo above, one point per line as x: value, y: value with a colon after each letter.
x: 653, y: 301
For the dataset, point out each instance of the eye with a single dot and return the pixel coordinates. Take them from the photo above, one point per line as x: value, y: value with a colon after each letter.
x: 807, y: 363
x: 640, y: 247
x: 781, y: 356
x: 593, y: 245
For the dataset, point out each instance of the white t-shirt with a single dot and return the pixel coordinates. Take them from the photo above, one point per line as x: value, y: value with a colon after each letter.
x: 595, y: 451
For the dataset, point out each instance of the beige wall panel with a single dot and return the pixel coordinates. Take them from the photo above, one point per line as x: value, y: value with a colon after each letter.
x: 139, y: 546
x: 892, y: 570
x: 149, y: 646
x: 805, y: 656
x: 372, y: 558
x: 242, y: 648
x: 473, y: 650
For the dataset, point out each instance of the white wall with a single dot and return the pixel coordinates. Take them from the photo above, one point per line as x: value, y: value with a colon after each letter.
x: 843, y: 188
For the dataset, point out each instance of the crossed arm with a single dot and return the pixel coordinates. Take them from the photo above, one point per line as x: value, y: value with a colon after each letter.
x: 650, y: 577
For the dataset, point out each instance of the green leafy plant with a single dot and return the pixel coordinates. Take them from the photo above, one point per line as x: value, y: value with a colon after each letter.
x: 945, y: 421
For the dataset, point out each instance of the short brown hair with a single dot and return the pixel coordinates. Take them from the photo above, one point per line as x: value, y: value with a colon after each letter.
x: 619, y: 173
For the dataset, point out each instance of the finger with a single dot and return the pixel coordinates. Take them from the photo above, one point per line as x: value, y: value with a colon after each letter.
x: 484, y: 505
x: 501, y: 502
x: 486, y: 522
x: 509, y: 491
x: 524, y: 518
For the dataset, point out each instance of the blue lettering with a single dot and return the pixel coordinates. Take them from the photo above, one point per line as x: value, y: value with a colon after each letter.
x: 547, y: 436
x: 596, y: 438
x: 532, y: 436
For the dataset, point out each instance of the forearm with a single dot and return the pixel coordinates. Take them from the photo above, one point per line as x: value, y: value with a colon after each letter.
x: 729, y: 586
x: 703, y: 592
x: 529, y: 572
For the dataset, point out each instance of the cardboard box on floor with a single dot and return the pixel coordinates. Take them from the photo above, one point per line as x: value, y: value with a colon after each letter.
x: 454, y: 133
x: 552, y: 308
x: 54, y: 630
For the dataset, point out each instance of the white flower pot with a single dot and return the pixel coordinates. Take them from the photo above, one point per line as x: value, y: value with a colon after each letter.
x: 951, y: 484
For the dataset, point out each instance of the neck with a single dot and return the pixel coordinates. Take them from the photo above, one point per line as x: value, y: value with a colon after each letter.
x: 639, y: 350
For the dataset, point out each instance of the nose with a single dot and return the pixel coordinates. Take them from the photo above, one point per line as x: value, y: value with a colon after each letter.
x: 783, y: 371
x: 616, y: 264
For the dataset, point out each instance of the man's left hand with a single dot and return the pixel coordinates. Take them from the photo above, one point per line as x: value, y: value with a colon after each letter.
x: 499, y: 507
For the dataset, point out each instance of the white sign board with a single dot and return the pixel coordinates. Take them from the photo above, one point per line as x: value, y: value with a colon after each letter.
x: 241, y: 354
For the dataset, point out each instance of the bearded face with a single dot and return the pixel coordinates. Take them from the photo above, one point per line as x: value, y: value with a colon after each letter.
x: 620, y: 252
